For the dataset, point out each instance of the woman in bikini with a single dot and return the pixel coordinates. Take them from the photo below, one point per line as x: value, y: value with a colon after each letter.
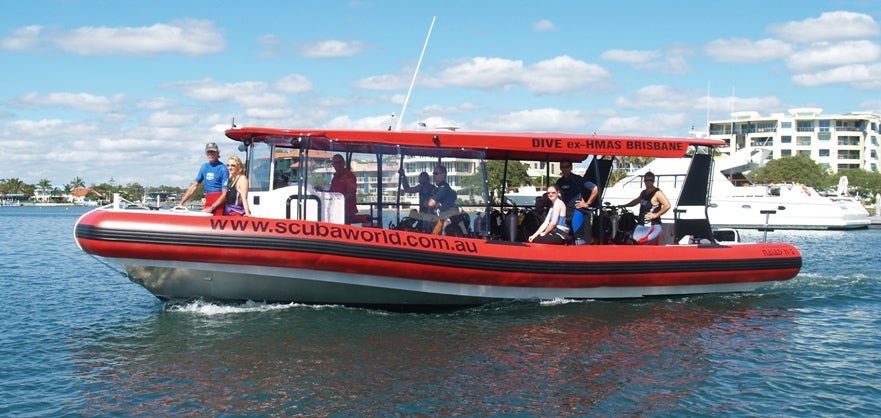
x: 237, y: 189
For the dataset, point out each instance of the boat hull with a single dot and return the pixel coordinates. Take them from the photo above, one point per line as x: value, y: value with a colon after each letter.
x: 182, y: 256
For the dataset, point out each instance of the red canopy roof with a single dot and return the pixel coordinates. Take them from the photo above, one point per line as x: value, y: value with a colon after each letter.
x: 497, y: 145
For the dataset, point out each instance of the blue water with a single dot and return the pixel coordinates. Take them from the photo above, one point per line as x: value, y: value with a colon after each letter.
x: 77, y: 338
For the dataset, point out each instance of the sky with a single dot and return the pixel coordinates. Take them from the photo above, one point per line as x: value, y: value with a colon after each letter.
x: 131, y: 91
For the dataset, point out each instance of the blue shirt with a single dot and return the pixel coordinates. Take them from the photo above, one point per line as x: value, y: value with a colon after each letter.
x: 213, y: 176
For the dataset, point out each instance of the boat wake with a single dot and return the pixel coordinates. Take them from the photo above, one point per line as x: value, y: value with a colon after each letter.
x: 560, y: 301
x: 211, y: 308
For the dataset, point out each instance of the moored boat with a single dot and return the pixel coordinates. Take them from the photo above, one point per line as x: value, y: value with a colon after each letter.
x: 775, y: 206
x: 297, y: 246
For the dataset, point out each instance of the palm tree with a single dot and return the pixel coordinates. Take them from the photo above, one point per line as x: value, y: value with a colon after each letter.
x: 44, y: 185
x: 77, y: 183
x: 14, y: 185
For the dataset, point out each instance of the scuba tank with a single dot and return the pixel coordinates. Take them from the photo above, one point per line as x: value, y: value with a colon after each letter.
x: 511, y: 224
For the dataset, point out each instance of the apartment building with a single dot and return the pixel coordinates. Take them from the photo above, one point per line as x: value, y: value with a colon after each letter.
x: 835, y: 142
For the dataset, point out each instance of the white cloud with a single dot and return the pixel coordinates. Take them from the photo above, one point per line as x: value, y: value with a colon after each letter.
x: 366, y: 123
x: 555, y: 75
x: 79, y: 101
x: 23, y: 39
x: 547, y: 119
x: 659, y: 97
x: 294, y: 83
x: 331, y: 49
x: 834, y: 54
x: 670, y: 60
x: 268, y: 40
x: 383, y: 82
x: 191, y: 37
x: 449, y: 110
x: 544, y: 25
x: 47, y: 129
x: 830, y: 26
x: 857, y: 75
x: 156, y: 103
x: 725, y: 105
x: 629, y: 56
x: 166, y: 118
x: 561, y: 74
x: 212, y: 91
x: 744, y: 50
x: 120, y: 144
x: 484, y: 73
x: 246, y: 93
x: 268, y: 113
x: 644, y: 125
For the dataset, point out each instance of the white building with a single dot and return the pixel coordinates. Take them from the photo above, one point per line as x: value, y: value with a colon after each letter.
x: 835, y: 142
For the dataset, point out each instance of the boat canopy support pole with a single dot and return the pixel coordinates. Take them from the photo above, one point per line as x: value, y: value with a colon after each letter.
x: 486, y: 197
x: 400, y: 181
x: 504, y: 184
x: 305, y: 146
x: 379, y: 200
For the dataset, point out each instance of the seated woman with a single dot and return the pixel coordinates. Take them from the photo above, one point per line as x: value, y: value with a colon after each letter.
x: 237, y: 189
x: 553, y: 230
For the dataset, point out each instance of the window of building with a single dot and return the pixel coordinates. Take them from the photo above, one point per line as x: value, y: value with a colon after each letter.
x: 785, y: 125
x: 786, y: 139
x: 805, y: 152
x: 825, y: 125
x: 824, y: 152
x: 786, y: 153
x: 824, y: 166
x: 848, y: 154
x: 766, y: 127
x: 824, y: 136
x: 803, y: 140
x: 848, y: 140
x: 805, y: 126
x: 762, y: 142
x: 848, y: 166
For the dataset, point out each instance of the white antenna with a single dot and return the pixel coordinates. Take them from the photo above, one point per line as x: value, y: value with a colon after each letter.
x: 708, y: 107
x: 413, y: 81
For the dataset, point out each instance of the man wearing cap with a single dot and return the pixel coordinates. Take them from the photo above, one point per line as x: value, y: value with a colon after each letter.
x: 215, y: 176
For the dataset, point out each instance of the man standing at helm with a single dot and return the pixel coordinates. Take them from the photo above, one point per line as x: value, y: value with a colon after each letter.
x: 215, y: 176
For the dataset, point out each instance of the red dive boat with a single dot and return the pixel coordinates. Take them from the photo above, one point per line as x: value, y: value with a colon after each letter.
x: 296, y: 247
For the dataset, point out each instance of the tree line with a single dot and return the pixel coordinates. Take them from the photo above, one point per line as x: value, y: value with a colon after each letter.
x: 802, y: 169
x: 100, y: 192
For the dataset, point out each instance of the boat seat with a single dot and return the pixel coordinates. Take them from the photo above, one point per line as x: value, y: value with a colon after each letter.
x: 697, y: 228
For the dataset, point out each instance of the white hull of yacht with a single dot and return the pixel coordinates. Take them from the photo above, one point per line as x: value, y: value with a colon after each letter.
x: 796, y: 206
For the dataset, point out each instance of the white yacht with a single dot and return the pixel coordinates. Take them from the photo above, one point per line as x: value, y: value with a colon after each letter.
x: 795, y: 206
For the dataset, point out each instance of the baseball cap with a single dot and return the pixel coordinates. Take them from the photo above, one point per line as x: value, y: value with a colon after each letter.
x: 211, y: 146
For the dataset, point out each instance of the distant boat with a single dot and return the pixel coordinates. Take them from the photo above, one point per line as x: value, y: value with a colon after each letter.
x: 795, y: 206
